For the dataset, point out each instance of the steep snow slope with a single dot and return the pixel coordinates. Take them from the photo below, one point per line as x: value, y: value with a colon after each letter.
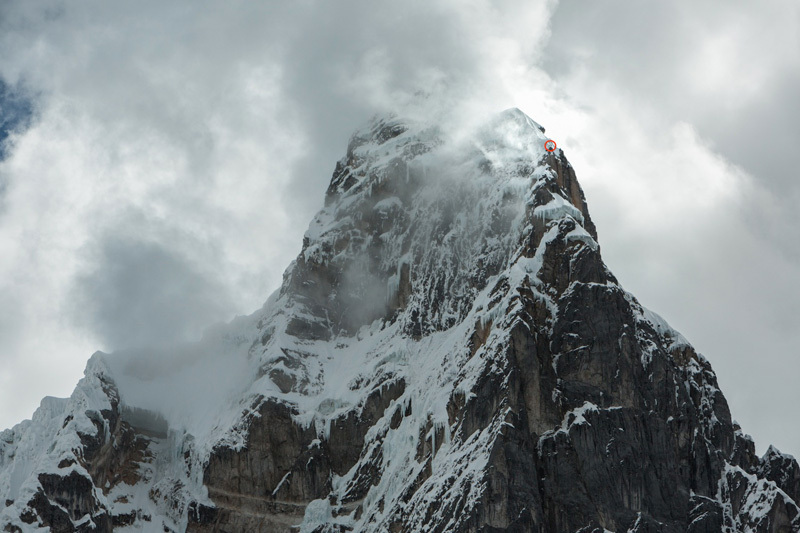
x: 447, y: 353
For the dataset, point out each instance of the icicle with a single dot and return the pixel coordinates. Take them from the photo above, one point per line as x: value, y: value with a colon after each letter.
x: 433, y: 440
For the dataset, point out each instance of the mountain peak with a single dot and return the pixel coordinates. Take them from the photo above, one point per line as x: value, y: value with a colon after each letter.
x: 447, y: 353
x: 407, y: 197
x: 516, y: 116
x: 504, y: 138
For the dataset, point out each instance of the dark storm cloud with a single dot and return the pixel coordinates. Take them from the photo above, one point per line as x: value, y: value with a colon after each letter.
x: 143, y: 294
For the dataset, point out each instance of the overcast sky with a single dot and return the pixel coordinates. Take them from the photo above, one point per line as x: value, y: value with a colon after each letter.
x: 161, y: 161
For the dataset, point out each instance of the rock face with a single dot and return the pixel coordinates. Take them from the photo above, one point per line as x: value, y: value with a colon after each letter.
x: 448, y: 353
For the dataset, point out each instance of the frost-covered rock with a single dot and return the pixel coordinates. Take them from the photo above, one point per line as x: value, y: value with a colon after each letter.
x: 447, y: 353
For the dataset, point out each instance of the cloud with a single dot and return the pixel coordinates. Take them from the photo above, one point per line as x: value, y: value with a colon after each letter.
x: 724, y: 68
x: 143, y: 293
x: 181, y: 149
x: 15, y: 115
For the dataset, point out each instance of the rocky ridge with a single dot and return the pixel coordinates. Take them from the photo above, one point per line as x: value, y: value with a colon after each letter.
x: 448, y: 353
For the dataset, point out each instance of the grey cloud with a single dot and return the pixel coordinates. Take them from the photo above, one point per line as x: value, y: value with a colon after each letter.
x: 11, y: 324
x: 750, y: 115
x: 144, y: 294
